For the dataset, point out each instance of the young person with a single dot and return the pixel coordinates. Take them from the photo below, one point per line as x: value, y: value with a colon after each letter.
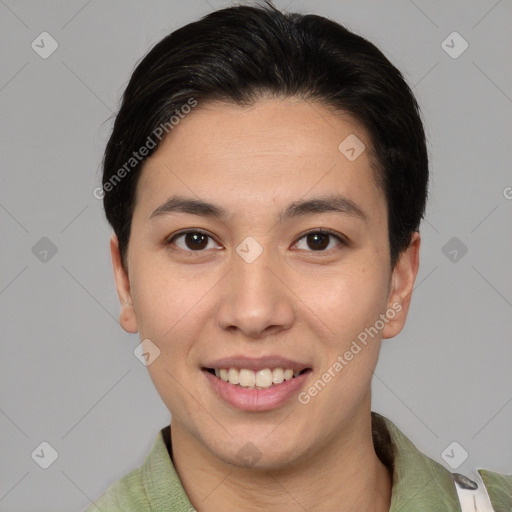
x: 265, y: 179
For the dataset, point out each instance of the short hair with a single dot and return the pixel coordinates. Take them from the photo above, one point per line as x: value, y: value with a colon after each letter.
x: 243, y: 53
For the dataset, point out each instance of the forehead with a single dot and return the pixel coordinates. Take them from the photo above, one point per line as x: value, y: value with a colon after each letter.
x: 276, y: 147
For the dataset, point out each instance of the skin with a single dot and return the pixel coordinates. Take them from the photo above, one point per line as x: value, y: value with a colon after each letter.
x: 295, y: 301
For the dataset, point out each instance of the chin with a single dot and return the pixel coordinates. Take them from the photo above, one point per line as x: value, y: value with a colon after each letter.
x: 260, y: 452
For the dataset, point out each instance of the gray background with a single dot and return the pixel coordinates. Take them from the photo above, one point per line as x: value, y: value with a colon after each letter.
x: 69, y: 376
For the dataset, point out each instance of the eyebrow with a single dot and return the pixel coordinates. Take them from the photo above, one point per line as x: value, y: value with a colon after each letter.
x: 325, y: 204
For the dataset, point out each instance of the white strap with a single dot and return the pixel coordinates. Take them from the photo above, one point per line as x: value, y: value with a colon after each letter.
x: 472, y: 500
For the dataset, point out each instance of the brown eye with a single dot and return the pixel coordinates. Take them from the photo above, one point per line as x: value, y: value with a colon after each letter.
x: 195, y: 241
x: 319, y: 241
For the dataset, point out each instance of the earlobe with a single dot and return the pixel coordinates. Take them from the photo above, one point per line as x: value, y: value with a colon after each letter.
x: 127, y: 318
x: 402, y: 284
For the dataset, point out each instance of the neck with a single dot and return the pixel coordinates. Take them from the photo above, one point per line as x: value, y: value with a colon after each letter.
x: 346, y: 475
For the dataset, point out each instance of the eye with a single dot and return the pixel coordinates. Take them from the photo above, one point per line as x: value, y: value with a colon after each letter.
x: 197, y: 240
x: 318, y: 240
x: 192, y: 240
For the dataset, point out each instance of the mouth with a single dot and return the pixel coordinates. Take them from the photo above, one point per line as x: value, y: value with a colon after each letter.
x: 264, y: 378
x: 256, y: 384
x: 258, y: 389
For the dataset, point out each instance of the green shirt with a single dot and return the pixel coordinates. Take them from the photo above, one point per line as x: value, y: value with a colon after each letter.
x: 419, y: 483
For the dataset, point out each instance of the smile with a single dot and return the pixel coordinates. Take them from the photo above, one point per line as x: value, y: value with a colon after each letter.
x: 256, y: 390
x: 261, y: 379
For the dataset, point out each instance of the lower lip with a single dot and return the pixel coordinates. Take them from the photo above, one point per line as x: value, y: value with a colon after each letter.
x: 257, y: 399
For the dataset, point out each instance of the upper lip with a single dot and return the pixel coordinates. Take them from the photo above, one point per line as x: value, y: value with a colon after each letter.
x: 256, y: 363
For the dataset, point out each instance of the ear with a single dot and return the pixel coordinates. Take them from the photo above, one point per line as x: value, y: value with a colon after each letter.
x: 127, y: 318
x: 402, y: 284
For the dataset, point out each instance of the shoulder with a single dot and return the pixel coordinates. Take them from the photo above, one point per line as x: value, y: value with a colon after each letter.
x: 127, y: 495
x: 152, y: 487
x: 499, y: 488
x: 420, y: 483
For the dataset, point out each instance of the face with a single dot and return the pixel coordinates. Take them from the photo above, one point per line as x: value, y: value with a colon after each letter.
x: 263, y: 280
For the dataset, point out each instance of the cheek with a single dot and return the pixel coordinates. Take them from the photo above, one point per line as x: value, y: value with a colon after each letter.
x: 173, y: 311
x: 349, y: 299
x: 169, y: 312
x: 164, y: 300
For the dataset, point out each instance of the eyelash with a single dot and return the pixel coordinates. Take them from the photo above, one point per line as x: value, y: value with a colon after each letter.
x: 322, y: 231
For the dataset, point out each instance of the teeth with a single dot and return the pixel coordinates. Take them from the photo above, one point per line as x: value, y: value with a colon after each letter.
x: 247, y: 378
x: 234, y: 376
x: 264, y: 378
x: 278, y: 376
x: 261, y: 379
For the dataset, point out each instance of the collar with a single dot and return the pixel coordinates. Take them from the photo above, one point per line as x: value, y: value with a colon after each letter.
x: 419, y: 483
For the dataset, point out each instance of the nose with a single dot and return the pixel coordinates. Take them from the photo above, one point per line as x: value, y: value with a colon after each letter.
x: 256, y: 300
